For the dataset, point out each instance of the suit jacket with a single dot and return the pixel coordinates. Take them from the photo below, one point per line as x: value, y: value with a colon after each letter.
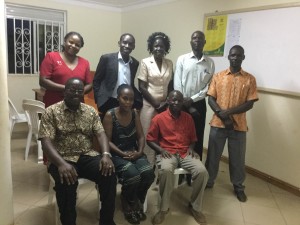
x: 106, y: 77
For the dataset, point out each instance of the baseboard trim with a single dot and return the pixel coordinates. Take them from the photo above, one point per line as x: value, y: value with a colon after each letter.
x: 270, y: 179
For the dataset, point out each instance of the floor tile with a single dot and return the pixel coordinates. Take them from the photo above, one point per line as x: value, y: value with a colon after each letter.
x: 36, y: 216
x: 261, y: 215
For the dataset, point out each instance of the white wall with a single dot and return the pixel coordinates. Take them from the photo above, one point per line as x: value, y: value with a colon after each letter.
x: 273, y: 139
x: 6, y: 195
x: 100, y: 30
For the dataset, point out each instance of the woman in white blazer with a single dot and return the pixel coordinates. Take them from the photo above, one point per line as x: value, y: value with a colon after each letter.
x: 155, y: 82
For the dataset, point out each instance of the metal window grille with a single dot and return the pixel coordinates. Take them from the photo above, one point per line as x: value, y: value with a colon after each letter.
x: 31, y: 33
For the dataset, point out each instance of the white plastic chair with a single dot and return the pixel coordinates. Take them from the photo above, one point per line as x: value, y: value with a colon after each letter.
x: 15, y: 116
x: 51, y: 194
x: 32, y: 112
x: 176, y: 173
x: 34, y: 102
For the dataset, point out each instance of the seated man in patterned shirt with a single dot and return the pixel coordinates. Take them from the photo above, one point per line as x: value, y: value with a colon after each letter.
x: 66, y: 132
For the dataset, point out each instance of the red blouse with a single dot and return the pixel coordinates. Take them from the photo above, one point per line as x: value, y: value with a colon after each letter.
x: 54, y: 68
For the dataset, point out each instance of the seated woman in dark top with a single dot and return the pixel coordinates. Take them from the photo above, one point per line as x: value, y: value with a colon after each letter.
x: 127, y: 141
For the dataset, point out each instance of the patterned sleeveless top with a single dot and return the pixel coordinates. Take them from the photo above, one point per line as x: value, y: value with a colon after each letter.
x: 124, y: 137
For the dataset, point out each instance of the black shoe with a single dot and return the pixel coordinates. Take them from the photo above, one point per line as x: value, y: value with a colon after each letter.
x: 141, y: 215
x: 209, y: 186
x: 241, y: 196
x: 131, y: 217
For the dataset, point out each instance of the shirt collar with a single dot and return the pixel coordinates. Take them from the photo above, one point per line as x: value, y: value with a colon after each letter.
x: 192, y: 55
x: 120, y: 58
x: 170, y: 114
x: 241, y: 72
x: 65, y: 107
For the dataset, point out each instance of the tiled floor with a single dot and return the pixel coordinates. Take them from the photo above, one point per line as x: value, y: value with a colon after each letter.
x: 266, y: 205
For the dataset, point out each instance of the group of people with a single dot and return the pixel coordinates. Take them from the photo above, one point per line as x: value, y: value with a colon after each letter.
x: 167, y: 111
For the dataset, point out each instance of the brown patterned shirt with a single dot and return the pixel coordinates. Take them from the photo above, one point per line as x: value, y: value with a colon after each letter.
x: 71, y: 132
x: 231, y: 90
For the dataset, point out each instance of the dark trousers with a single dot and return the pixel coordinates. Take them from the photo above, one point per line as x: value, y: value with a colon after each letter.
x: 199, y: 116
x: 136, y: 178
x: 236, y: 141
x: 86, y: 167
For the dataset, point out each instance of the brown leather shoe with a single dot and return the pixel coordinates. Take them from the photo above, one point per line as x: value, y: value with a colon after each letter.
x: 198, y: 216
x: 159, y: 217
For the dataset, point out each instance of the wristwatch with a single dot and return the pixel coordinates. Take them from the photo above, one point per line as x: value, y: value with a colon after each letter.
x: 106, y: 153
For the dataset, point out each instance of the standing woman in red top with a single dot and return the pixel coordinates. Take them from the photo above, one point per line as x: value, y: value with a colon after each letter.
x: 58, y: 67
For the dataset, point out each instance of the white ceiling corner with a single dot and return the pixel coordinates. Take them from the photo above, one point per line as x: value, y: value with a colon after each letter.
x: 115, y: 5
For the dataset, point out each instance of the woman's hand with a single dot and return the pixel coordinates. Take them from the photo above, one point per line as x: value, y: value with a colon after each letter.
x: 132, y: 155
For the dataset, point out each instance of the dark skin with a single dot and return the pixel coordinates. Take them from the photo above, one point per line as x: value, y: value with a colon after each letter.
x: 175, y: 101
x: 197, y: 43
x: 159, y: 51
x: 127, y: 45
x: 73, y: 94
x: 124, y: 116
x: 72, y: 46
x: 235, y: 57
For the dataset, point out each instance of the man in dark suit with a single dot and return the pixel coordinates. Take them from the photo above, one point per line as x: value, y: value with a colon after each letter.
x: 113, y: 70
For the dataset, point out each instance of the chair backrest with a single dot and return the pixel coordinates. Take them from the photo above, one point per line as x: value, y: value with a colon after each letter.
x: 32, y: 112
x: 13, y: 113
x: 34, y: 102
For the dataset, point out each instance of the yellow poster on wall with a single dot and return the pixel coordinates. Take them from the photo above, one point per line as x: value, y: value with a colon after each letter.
x: 215, y: 34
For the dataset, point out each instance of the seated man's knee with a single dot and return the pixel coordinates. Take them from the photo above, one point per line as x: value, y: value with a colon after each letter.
x: 200, y: 169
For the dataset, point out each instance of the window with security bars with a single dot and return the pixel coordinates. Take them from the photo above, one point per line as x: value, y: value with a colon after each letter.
x: 31, y: 33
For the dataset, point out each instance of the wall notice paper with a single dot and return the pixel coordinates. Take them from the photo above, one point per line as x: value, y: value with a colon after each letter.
x: 215, y: 34
x: 233, y: 34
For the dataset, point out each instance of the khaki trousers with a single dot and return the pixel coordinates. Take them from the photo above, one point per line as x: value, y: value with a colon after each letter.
x: 166, y: 169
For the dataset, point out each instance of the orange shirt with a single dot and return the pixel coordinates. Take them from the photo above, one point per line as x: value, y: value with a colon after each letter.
x: 231, y: 90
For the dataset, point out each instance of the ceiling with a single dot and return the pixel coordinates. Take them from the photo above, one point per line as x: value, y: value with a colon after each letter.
x: 118, y: 4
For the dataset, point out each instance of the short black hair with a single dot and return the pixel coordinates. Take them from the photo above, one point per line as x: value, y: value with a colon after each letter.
x: 74, y: 33
x: 122, y: 87
x: 71, y: 80
x: 175, y: 92
x: 125, y: 34
x: 238, y: 47
x: 198, y: 31
x: 163, y: 37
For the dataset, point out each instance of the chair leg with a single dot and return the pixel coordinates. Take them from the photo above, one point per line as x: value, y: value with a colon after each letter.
x: 29, y: 136
x: 51, y: 191
x: 176, y: 178
x: 145, y: 205
x: 12, y: 127
x: 40, y: 152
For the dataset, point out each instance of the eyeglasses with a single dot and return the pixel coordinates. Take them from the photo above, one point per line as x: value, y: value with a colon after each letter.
x: 75, y: 91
